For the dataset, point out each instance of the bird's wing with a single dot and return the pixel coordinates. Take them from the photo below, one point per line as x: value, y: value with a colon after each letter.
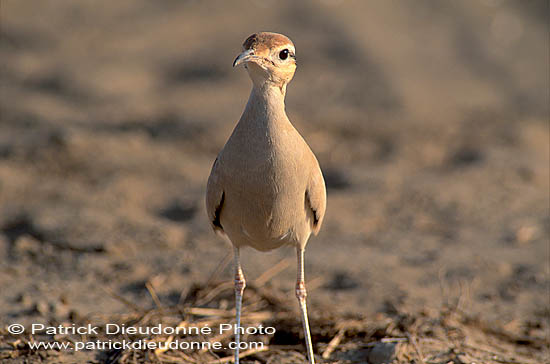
x: 316, y: 196
x: 215, y: 197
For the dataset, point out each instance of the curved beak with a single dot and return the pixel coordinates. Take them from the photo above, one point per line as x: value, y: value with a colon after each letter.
x: 245, y: 56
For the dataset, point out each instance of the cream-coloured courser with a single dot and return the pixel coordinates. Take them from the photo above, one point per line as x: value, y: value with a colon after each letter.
x: 266, y: 189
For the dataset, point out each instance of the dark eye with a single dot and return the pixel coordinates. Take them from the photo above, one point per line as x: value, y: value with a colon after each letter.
x: 284, y: 54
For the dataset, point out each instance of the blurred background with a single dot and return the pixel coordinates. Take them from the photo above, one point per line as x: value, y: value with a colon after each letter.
x: 429, y: 119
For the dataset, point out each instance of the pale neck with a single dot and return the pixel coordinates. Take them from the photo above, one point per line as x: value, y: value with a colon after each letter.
x: 266, y: 103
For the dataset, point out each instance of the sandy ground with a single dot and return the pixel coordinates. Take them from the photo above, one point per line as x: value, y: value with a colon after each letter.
x: 429, y: 119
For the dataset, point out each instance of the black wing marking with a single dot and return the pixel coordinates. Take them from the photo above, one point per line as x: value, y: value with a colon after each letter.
x: 316, y: 216
x: 216, y: 222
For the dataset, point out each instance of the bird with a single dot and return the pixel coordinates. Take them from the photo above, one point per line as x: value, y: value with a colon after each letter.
x: 266, y: 188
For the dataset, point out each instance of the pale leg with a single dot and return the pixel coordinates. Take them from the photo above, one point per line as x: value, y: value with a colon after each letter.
x: 240, y: 283
x: 301, y: 294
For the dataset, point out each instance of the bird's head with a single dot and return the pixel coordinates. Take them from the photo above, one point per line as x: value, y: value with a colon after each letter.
x: 268, y: 57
